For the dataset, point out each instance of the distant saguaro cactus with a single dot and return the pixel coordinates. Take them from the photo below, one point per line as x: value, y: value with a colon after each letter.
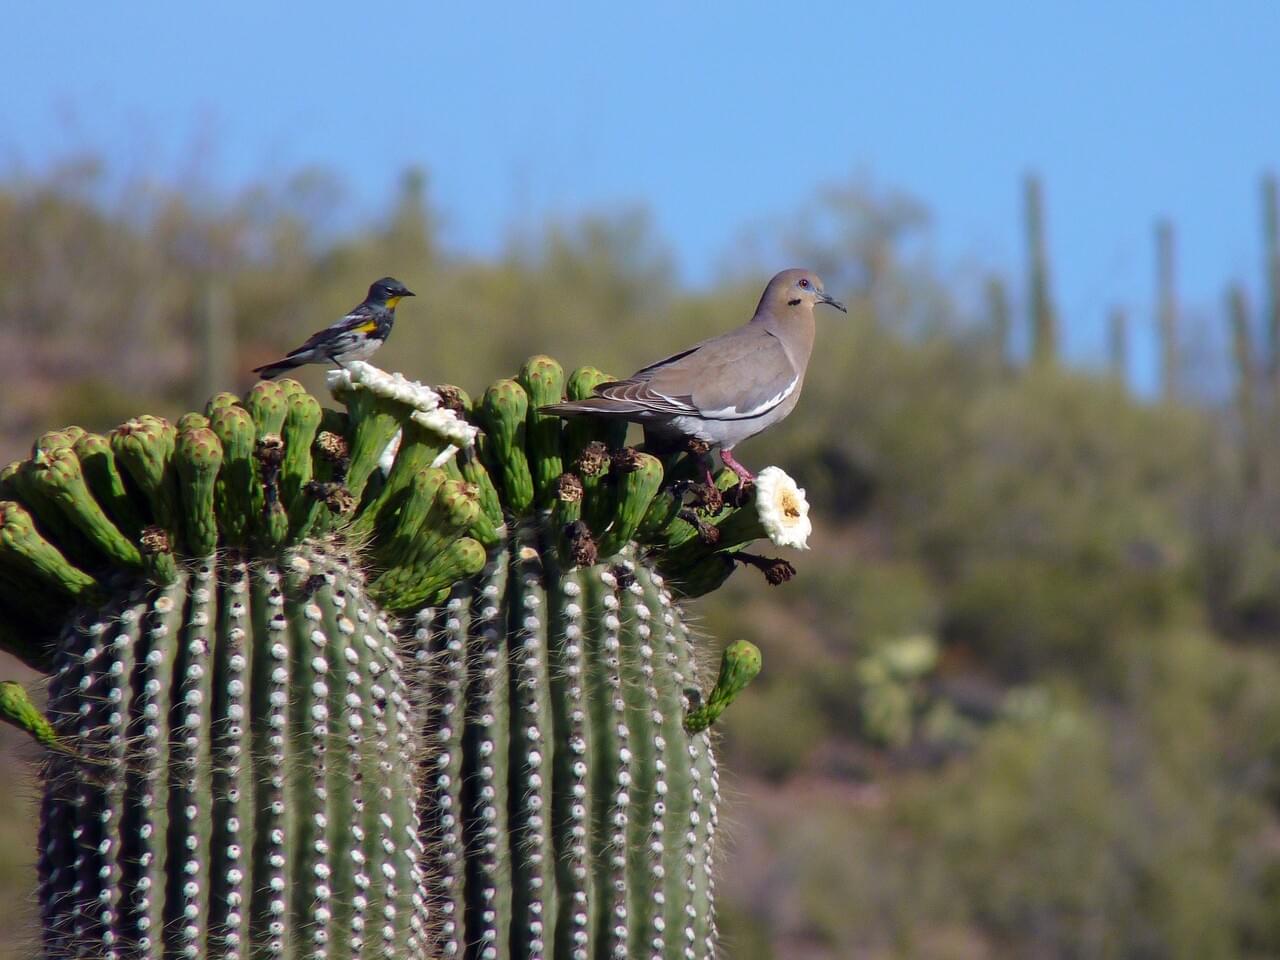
x: 319, y: 692
x: 1044, y: 320
x: 1271, y: 273
x: 1118, y: 344
x: 1167, y: 311
x: 1246, y: 380
x: 999, y: 324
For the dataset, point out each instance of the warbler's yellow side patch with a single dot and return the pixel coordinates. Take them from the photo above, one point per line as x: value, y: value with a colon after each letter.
x: 369, y: 326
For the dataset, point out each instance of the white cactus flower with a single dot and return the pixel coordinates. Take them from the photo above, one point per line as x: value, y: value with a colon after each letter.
x: 447, y: 424
x: 388, y: 458
x: 359, y: 375
x: 782, y: 509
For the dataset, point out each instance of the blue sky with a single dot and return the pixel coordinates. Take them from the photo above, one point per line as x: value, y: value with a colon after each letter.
x: 714, y: 115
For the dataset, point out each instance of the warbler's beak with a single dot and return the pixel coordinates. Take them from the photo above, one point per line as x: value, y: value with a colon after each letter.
x: 826, y: 298
x: 408, y: 293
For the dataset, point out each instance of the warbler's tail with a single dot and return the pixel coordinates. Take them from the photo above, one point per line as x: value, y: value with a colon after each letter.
x: 271, y: 370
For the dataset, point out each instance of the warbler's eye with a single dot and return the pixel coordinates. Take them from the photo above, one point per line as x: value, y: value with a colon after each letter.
x: 804, y: 282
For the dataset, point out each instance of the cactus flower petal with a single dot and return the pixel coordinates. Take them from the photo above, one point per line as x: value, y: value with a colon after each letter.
x: 783, y: 509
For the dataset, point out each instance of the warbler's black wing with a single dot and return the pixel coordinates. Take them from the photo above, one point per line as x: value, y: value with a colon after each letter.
x: 356, y: 325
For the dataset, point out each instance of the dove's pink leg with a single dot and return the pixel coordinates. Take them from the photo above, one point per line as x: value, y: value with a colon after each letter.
x: 745, y: 475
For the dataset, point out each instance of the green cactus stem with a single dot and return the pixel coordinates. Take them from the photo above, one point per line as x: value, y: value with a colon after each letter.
x: 17, y: 710
x: 739, y: 665
x: 543, y: 382
x: 504, y: 410
x: 568, y: 739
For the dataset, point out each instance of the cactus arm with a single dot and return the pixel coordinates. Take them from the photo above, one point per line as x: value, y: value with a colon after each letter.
x: 700, y: 927
x: 571, y: 796
x: 374, y: 421
x: 587, y: 442
x: 185, y: 899
x: 678, y: 666
x: 685, y: 806
x: 474, y: 473
x: 54, y: 864
x: 611, y: 779
x: 398, y: 531
x: 418, y: 448
x: 644, y: 721
x: 268, y: 676
x: 237, y: 490
x: 101, y: 473
x: 444, y: 673
x: 219, y: 401
x: 543, y: 380
x: 58, y: 475
x: 404, y: 782
x: 198, y: 457
x: 232, y: 825
x: 268, y: 404
x: 438, y: 555
x: 388, y: 849
x: 145, y: 821
x: 84, y: 797
x: 461, y: 559
x: 739, y: 665
x: 635, y: 489
x: 30, y: 555
x: 17, y: 710
x: 580, y: 431
x: 485, y: 772
x: 301, y: 423
x: 144, y: 447
x: 309, y: 672
x: 533, y: 903
x: 191, y: 421
x: 345, y: 839
x: 503, y: 412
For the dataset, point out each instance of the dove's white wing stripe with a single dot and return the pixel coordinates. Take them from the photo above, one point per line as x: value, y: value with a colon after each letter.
x: 732, y: 413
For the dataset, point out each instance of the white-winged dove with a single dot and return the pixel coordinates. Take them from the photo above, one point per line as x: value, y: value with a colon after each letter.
x: 723, y: 390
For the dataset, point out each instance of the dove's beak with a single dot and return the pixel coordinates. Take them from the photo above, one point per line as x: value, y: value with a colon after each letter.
x: 826, y: 298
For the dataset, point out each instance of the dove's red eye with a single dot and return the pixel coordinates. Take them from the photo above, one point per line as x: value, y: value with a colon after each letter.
x: 804, y: 282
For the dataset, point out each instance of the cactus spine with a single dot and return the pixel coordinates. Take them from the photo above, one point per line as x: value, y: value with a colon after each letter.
x: 305, y: 705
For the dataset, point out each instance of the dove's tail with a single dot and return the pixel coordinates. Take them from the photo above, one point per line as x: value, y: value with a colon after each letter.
x: 595, y: 406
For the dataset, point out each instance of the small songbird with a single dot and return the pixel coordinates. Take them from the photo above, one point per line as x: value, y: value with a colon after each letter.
x: 723, y: 390
x: 355, y: 337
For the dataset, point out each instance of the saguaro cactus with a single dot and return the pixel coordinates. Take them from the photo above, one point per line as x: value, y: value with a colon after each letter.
x: 1044, y: 319
x: 999, y: 324
x: 1246, y: 382
x: 1271, y: 276
x: 1167, y: 312
x: 382, y: 682
x: 1118, y: 344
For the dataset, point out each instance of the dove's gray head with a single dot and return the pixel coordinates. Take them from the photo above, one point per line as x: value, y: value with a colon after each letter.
x: 792, y: 289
